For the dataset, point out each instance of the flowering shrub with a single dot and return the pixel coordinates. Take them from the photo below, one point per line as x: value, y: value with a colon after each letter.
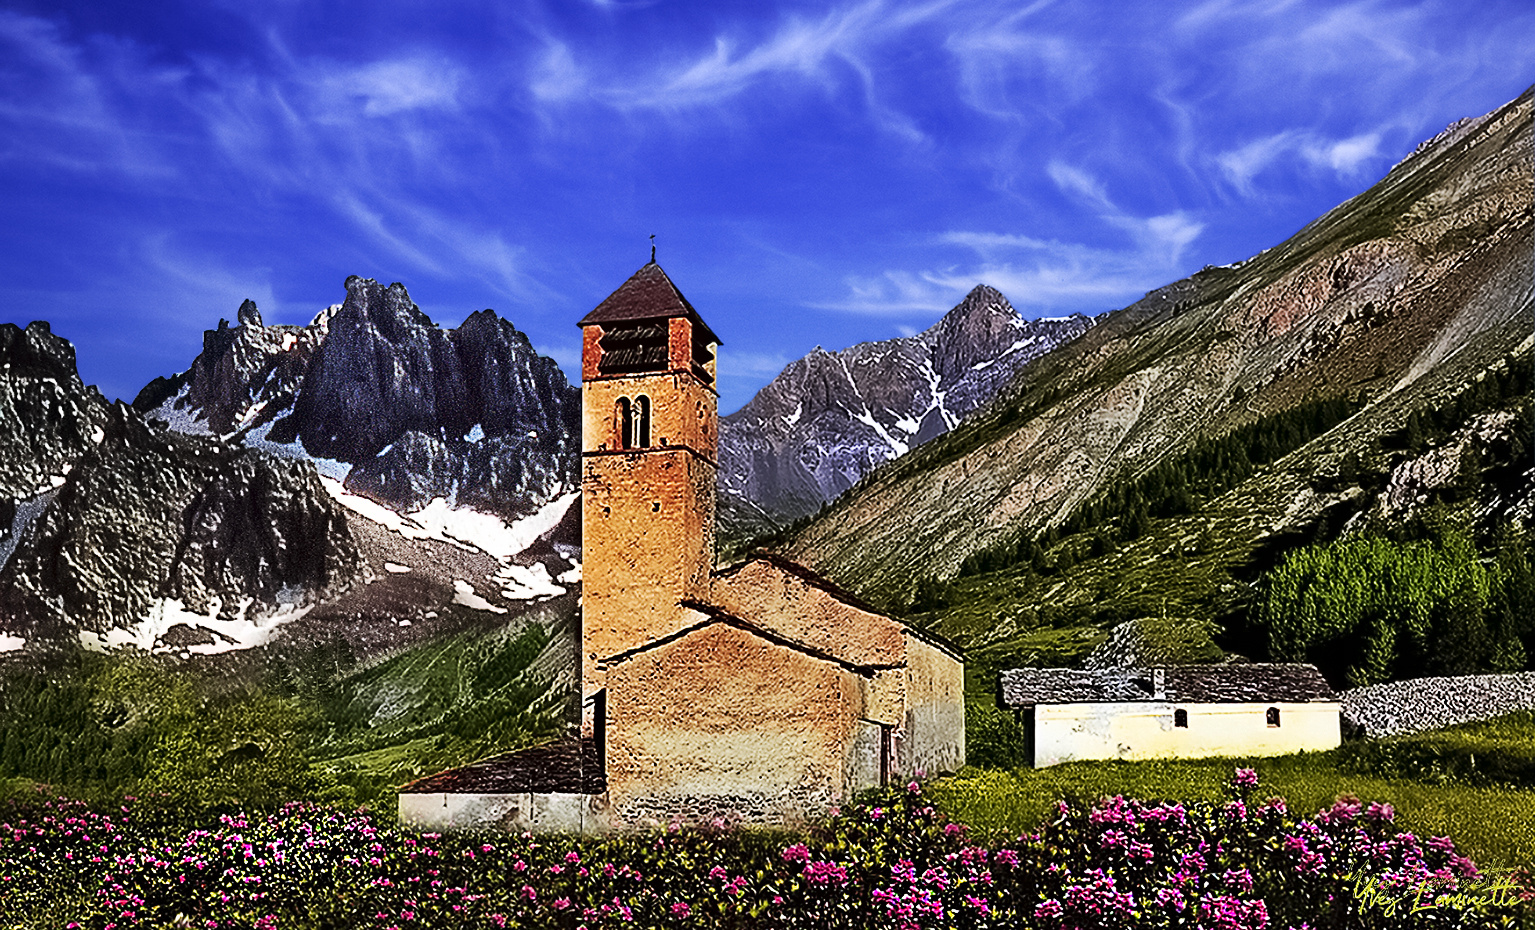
x: 892, y: 861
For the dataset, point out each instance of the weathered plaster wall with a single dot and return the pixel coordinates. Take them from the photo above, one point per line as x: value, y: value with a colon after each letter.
x: 723, y: 721
x: 647, y: 520
x: 884, y: 697
x: 1144, y: 730
x: 935, y: 710
x: 764, y: 593
x: 443, y: 812
x: 863, y: 757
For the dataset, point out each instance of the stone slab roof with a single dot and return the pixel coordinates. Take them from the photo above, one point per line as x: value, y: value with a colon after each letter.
x: 1244, y: 683
x: 1183, y: 684
x: 564, y: 767
x: 1025, y: 687
x: 648, y: 295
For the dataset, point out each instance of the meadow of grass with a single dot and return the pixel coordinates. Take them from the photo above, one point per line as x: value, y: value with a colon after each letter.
x: 1474, y: 783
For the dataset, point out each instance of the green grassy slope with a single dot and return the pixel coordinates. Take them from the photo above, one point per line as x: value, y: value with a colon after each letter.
x: 1490, y: 814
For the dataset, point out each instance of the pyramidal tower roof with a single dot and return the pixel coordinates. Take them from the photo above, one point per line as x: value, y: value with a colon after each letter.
x: 648, y: 295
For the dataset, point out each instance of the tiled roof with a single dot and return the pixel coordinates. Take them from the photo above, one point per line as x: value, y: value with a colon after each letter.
x: 1236, y: 683
x: 568, y: 766
x: 648, y: 295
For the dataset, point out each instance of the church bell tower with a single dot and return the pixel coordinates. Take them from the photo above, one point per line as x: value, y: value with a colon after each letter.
x: 649, y: 433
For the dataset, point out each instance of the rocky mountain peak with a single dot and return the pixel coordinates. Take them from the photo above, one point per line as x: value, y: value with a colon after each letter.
x: 388, y: 309
x: 981, y: 327
x: 831, y: 417
x: 248, y: 315
x: 983, y: 301
x: 48, y: 418
x: 115, y: 525
x: 37, y: 352
x: 473, y: 414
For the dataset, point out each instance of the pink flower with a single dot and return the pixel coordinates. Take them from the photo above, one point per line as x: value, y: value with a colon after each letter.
x: 681, y: 909
x: 826, y: 873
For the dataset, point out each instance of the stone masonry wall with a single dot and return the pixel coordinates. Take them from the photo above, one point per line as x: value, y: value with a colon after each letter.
x: 1428, y: 703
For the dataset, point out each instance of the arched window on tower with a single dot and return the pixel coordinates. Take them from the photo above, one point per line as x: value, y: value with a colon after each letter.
x: 624, y: 420
x: 633, y: 422
x: 642, y: 422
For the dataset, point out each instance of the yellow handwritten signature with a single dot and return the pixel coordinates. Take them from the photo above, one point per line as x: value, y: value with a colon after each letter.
x: 1493, y: 887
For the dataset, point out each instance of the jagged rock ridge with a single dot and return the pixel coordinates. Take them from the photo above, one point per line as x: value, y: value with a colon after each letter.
x: 141, y: 534
x: 472, y: 415
x: 832, y: 417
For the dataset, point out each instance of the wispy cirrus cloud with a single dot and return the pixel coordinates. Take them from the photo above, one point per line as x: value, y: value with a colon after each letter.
x: 389, y: 86
x: 1346, y: 158
x: 876, y: 156
x: 556, y: 77
x: 77, y: 106
x: 815, y: 51
x: 1039, y: 272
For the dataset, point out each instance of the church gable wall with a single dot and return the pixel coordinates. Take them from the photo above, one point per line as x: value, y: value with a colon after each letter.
x: 724, y: 722
x: 766, y: 594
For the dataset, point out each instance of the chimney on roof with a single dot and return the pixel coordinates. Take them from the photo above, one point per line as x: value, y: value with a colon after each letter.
x: 1159, y: 684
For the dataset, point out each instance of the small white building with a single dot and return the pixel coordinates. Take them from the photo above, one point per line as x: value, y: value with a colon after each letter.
x: 1178, y: 712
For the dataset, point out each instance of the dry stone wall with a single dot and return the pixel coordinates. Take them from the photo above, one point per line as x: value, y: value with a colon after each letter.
x: 1428, y: 703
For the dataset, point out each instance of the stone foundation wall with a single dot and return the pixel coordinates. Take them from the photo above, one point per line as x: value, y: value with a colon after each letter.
x: 444, y: 812
x: 788, y: 807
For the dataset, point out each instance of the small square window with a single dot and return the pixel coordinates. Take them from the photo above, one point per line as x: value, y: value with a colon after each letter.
x: 1181, y: 718
x: 1272, y: 715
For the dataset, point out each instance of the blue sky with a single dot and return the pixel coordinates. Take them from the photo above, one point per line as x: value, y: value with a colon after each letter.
x: 815, y: 173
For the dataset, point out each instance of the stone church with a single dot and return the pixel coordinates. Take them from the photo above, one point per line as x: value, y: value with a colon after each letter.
x: 759, y: 692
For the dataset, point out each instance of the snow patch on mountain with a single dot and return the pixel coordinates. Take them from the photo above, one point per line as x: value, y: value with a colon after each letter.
x: 528, y: 582
x: 867, y: 419
x: 242, y: 631
x: 463, y: 594
x: 176, y: 414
